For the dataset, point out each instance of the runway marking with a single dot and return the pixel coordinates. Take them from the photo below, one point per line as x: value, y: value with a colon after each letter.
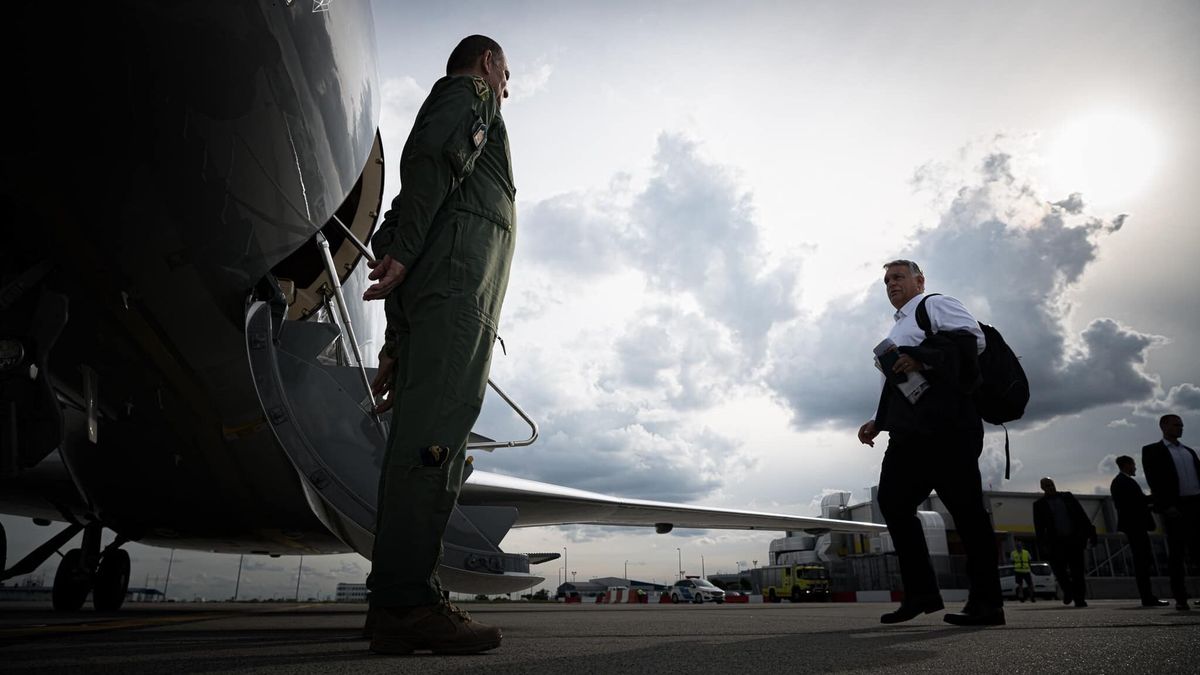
x: 49, y: 629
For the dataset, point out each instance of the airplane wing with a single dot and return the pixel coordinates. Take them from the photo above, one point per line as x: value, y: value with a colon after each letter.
x: 541, y: 504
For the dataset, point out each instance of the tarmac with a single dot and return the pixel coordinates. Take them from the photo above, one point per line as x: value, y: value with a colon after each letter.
x: 1109, y: 636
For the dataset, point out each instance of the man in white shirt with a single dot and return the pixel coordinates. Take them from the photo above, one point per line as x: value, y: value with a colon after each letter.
x: 934, y: 444
x: 1173, y: 472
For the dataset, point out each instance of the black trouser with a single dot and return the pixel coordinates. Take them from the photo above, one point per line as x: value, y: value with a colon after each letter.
x: 1183, y: 539
x: 1143, y: 559
x: 1066, y: 559
x: 913, y: 466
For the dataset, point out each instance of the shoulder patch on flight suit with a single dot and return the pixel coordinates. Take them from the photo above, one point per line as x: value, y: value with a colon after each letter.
x: 479, y: 133
x: 482, y: 90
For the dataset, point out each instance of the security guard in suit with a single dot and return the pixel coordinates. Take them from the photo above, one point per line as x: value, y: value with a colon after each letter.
x: 444, y: 252
x: 1173, y: 473
x: 1135, y: 520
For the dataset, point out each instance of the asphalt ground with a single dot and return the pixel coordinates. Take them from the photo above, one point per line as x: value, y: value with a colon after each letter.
x: 1109, y: 636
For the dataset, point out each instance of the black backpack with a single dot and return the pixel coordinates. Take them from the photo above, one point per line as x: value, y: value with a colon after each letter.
x: 1004, y: 392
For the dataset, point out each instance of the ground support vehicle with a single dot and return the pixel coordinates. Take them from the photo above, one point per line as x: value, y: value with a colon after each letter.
x: 805, y: 582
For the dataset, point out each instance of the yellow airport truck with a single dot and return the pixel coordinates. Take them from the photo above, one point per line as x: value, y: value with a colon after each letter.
x: 806, y: 582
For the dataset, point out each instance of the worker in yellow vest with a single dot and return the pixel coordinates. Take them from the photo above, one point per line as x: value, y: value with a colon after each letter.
x: 1023, y: 573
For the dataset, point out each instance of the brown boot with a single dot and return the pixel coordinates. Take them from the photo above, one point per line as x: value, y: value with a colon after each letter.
x: 442, y: 629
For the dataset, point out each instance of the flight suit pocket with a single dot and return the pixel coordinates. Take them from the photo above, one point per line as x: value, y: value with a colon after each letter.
x: 471, y: 354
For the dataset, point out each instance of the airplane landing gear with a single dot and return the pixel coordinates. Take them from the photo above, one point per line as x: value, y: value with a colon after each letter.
x: 72, y: 582
x: 104, y: 574
x: 112, y: 581
x: 86, y: 570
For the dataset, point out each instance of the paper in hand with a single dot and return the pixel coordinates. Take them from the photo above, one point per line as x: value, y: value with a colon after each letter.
x: 912, y: 385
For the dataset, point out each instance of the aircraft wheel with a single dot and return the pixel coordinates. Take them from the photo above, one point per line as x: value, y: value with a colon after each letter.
x: 112, y: 581
x: 71, y: 582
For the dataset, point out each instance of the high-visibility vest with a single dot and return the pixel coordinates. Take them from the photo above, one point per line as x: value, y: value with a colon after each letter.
x: 1020, y: 559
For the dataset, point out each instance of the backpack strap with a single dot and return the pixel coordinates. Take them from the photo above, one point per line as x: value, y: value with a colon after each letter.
x: 1006, y: 460
x: 923, y: 315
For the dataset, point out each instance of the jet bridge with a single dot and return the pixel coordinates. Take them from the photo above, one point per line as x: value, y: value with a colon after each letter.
x: 320, y: 410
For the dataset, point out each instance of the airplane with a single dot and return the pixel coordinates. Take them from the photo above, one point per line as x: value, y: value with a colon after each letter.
x: 186, y: 188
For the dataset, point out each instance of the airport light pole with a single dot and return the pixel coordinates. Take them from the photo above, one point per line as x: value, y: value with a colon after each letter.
x: 679, y: 555
x: 237, y: 586
x: 167, y: 584
x: 626, y: 570
x: 564, y: 564
x: 299, y: 571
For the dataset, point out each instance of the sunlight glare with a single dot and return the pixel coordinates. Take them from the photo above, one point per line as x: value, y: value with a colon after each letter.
x: 1109, y: 157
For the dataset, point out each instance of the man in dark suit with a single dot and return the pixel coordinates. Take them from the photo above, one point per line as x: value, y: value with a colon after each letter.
x: 935, y: 437
x: 1134, y: 519
x: 1173, y: 472
x: 1064, y: 529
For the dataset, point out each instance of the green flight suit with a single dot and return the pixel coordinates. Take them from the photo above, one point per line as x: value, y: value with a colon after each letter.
x: 453, y: 227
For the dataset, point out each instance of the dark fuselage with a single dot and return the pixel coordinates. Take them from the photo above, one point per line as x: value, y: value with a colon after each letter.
x: 162, y: 162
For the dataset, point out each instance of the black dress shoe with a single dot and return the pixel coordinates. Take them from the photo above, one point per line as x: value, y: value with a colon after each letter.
x: 1154, y: 602
x: 1081, y: 603
x: 909, y: 611
x: 989, y: 616
x: 1066, y: 598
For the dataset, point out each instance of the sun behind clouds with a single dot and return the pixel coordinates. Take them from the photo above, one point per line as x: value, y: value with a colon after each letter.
x: 1109, y: 156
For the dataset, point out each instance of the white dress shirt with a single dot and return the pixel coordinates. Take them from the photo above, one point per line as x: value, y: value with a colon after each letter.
x: 1185, y: 468
x: 945, y: 313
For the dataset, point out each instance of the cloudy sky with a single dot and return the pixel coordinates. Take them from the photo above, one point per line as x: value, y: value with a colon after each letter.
x: 706, y: 194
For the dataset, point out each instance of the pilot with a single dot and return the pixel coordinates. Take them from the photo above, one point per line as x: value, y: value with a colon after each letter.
x: 444, y: 250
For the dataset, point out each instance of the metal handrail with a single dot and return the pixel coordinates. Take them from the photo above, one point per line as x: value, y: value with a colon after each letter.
x: 486, y: 446
x: 340, y: 300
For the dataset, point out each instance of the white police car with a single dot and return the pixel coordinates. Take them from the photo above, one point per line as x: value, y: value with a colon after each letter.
x: 697, y: 590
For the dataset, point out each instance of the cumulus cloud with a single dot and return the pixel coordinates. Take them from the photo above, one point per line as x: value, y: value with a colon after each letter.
x: 402, y: 98
x: 690, y: 231
x: 1180, y: 399
x: 991, y: 464
x: 662, y: 303
x: 1012, y: 258
x: 610, y: 451
x: 689, y: 360
x: 528, y: 80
